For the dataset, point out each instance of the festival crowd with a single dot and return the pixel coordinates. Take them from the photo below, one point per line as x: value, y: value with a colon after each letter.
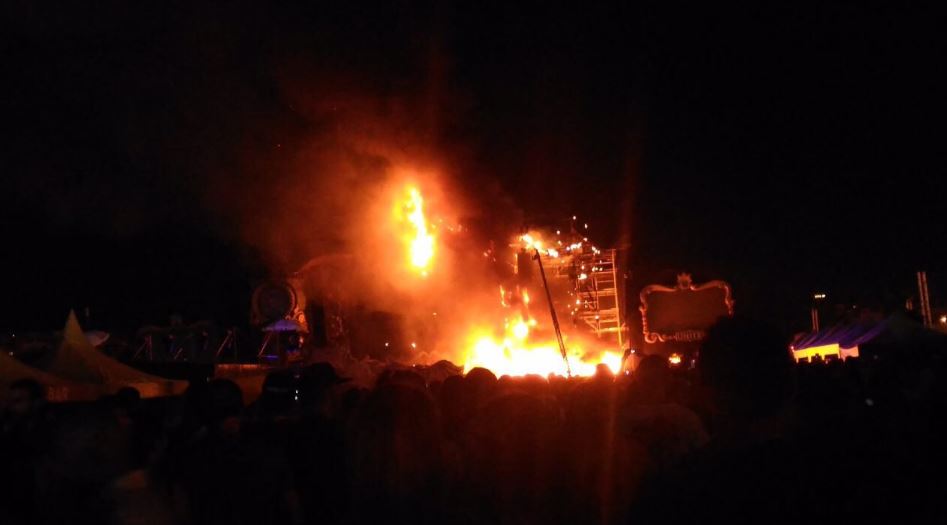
x: 745, y: 435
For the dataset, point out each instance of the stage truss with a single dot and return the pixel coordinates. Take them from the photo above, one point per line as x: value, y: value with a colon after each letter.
x: 593, y: 277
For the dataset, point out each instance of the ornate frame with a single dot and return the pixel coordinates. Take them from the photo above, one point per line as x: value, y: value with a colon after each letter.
x: 684, y: 283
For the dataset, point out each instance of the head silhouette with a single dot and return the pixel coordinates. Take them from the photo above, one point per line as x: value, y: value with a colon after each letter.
x: 24, y: 396
x: 651, y: 380
x: 747, y: 367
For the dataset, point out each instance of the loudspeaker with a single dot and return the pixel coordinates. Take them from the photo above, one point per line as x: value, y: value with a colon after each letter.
x: 278, y: 299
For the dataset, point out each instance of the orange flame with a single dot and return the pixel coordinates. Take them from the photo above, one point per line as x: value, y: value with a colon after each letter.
x: 518, y: 345
x: 419, y: 239
x: 511, y: 355
x: 514, y: 352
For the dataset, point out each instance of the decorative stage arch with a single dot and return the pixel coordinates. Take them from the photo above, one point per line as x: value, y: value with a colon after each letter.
x: 681, y: 314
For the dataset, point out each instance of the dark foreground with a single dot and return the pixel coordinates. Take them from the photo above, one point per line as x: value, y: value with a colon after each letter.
x: 745, y: 436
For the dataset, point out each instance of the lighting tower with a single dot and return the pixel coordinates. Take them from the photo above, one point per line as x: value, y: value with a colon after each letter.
x: 592, y: 276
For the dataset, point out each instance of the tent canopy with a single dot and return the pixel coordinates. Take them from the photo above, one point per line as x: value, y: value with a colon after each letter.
x: 77, y: 360
x: 57, y: 389
x: 895, y: 330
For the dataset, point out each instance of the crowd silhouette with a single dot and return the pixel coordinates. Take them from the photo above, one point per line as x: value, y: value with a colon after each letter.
x: 747, y: 435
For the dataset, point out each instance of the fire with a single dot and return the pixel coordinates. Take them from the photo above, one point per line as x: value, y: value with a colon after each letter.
x: 521, y: 330
x: 515, y: 353
x: 532, y: 242
x: 510, y: 340
x: 420, y: 241
x: 507, y: 357
x: 516, y: 357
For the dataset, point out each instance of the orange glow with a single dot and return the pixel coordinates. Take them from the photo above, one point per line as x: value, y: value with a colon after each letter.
x: 515, y: 357
x: 419, y: 239
x: 519, y: 351
x: 520, y: 330
x: 533, y: 241
x: 674, y: 359
x: 503, y: 336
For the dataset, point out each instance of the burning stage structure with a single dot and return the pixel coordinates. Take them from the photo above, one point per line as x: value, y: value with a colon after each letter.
x: 426, y: 286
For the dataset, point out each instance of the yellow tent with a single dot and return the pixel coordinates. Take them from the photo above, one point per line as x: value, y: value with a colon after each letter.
x: 77, y: 360
x: 12, y: 370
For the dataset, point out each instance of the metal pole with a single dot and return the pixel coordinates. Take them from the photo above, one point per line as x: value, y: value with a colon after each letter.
x: 920, y: 298
x: 925, y: 300
x: 224, y: 343
x: 552, y: 312
x: 618, y: 298
x: 266, y: 341
x: 817, y: 299
x: 927, y: 303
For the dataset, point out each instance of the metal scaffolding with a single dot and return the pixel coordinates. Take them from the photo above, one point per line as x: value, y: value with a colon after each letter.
x: 596, y: 294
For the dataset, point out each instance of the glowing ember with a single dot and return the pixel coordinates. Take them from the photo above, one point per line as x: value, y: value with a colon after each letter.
x: 421, y: 242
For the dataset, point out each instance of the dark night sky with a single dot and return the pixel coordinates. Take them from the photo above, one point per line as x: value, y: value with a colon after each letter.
x: 785, y: 149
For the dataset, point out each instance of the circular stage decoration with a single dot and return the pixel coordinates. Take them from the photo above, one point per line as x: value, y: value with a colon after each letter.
x: 272, y: 301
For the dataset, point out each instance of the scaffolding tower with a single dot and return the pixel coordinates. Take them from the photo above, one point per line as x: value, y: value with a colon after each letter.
x: 592, y: 275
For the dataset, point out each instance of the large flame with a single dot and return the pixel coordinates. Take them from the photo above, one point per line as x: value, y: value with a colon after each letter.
x: 503, y: 336
x: 419, y: 239
x: 508, y: 356
x: 514, y: 352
